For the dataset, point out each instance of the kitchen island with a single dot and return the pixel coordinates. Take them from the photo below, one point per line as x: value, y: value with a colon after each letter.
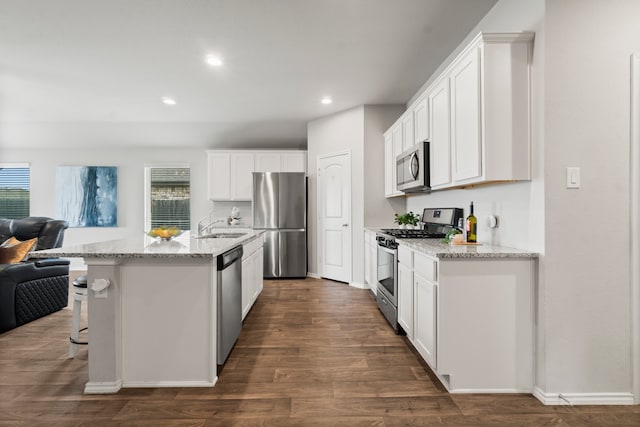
x: 155, y: 323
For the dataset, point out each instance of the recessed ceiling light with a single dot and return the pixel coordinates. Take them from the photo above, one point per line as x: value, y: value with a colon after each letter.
x: 168, y: 101
x: 213, y: 60
x: 326, y: 100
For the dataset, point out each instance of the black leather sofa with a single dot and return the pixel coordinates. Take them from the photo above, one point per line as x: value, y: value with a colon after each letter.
x: 33, y: 288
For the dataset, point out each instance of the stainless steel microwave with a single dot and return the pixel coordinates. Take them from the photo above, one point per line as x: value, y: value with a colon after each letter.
x: 412, y: 169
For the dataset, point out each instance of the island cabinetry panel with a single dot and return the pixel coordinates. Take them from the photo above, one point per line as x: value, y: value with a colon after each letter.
x: 252, y: 266
x: 160, y: 324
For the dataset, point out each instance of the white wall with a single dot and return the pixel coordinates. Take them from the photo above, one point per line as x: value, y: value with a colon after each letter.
x: 378, y: 211
x: 359, y: 131
x: 588, y: 50
x: 130, y: 163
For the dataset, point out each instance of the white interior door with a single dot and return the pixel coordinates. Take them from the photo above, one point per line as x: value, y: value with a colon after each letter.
x: 334, y: 203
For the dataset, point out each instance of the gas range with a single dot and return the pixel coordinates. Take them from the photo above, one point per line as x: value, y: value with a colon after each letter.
x: 401, y: 233
x: 436, y: 224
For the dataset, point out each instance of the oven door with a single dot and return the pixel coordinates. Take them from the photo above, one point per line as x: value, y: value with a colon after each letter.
x: 388, y: 273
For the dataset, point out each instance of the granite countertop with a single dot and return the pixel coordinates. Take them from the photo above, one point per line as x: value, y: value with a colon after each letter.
x: 183, y: 246
x: 441, y: 250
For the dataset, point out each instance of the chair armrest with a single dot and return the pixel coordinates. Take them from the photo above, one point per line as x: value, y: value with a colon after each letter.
x: 45, y: 262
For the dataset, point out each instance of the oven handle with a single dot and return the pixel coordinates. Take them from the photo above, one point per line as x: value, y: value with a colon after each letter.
x: 388, y: 250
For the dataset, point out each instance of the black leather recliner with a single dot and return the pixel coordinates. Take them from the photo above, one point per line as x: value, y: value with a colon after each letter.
x: 33, y: 288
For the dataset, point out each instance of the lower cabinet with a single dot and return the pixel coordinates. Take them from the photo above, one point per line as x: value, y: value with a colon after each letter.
x: 425, y: 328
x: 471, y: 319
x: 371, y: 261
x: 405, y: 299
x: 252, y: 266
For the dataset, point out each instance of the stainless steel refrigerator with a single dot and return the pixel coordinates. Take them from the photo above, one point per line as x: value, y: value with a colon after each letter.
x: 280, y: 208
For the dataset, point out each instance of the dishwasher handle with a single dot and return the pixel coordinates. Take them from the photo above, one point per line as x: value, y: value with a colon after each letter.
x: 229, y: 257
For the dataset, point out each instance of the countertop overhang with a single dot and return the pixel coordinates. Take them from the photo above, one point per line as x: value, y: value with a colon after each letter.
x: 435, y: 247
x: 183, y: 246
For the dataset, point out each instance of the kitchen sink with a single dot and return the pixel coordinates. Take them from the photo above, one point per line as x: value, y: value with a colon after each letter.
x: 221, y: 236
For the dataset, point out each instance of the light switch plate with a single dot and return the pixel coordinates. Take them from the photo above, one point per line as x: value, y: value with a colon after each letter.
x: 573, y: 177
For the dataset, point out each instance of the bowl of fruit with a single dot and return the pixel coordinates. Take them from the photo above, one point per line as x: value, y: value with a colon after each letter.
x: 164, y: 233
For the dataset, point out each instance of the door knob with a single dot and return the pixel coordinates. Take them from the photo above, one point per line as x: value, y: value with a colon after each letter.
x: 345, y: 225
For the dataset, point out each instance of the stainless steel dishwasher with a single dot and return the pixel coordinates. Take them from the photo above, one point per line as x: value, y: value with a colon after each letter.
x: 229, y: 268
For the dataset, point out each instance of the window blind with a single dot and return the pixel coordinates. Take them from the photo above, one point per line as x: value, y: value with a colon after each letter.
x: 14, y: 192
x: 170, y: 198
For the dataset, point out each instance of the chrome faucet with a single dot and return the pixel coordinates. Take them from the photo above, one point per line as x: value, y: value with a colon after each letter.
x: 205, y: 228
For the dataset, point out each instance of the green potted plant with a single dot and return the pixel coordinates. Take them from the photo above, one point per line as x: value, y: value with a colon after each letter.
x: 407, y: 220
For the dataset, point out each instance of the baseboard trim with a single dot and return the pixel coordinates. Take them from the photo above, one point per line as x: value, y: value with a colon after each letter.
x: 583, y: 398
x: 102, y: 387
x: 313, y: 275
x: 139, y: 384
x: 359, y: 285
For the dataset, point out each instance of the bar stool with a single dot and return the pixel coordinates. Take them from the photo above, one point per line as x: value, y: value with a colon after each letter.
x: 79, y: 295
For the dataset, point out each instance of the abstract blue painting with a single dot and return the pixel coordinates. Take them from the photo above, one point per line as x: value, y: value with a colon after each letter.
x: 87, y: 196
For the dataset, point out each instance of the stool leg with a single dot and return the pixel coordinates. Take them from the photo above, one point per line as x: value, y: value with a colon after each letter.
x: 75, y: 326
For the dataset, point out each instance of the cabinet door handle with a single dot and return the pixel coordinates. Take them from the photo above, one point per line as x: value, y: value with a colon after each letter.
x: 345, y: 225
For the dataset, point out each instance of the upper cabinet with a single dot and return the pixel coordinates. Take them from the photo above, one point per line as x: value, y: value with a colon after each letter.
x: 421, y: 121
x: 478, y: 113
x: 440, y: 143
x: 466, y: 143
x: 393, y: 145
x: 229, y: 172
x: 408, y: 137
x: 281, y: 161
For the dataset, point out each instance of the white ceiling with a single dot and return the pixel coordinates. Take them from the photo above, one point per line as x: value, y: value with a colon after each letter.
x: 80, y: 72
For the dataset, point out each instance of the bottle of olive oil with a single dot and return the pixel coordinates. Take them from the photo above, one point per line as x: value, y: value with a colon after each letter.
x: 472, y: 226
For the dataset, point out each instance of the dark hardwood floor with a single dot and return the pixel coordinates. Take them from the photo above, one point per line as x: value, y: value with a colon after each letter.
x: 312, y: 353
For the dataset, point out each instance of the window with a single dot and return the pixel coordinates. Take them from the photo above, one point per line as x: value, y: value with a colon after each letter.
x: 168, y: 198
x: 14, y: 190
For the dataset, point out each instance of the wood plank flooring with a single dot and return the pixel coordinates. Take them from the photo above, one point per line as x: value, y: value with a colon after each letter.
x: 311, y: 353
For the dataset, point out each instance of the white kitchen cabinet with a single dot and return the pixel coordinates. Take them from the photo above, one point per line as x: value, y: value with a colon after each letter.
x: 405, y: 291
x: 242, y: 165
x: 268, y: 162
x: 478, y: 113
x: 466, y: 143
x: 281, y: 161
x: 370, y: 260
x: 425, y: 328
x: 421, y: 120
x: 440, y: 143
x: 470, y: 312
x: 252, y: 274
x: 392, y: 147
x: 490, y: 110
x: 229, y: 175
x: 408, y: 135
x: 219, y: 175
x: 294, y: 161
x: 230, y: 171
